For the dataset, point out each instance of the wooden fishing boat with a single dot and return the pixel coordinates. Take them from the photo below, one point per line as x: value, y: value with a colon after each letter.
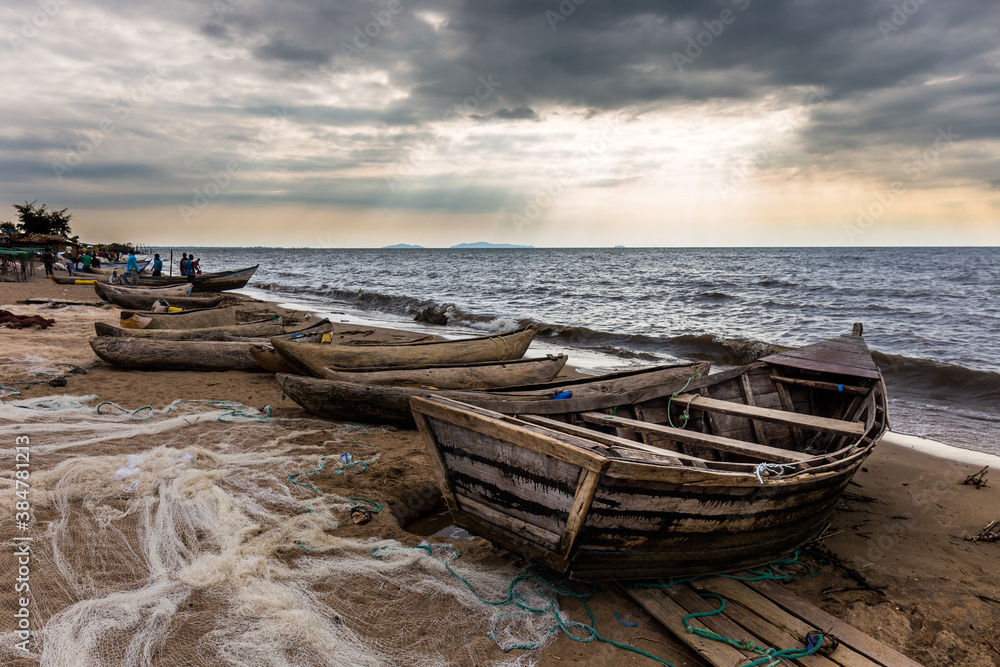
x: 145, y: 302
x: 165, y: 292
x: 311, y: 359
x: 75, y: 279
x: 269, y: 359
x: 718, y: 474
x: 469, y: 377
x: 249, y: 331
x: 177, y: 355
x: 205, y: 282
x: 189, y: 319
x: 353, y: 401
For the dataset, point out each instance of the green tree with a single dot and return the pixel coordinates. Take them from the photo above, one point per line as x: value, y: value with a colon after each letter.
x: 39, y: 220
x: 7, y: 227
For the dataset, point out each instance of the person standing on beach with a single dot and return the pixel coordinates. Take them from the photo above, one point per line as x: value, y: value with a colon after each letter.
x: 157, y: 265
x: 132, y: 269
x: 48, y: 259
x: 195, y: 268
x: 86, y: 260
x: 183, y: 264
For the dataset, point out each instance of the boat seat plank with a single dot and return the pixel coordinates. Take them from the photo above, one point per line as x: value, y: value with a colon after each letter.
x: 705, y: 439
x: 605, y: 439
x: 812, y: 422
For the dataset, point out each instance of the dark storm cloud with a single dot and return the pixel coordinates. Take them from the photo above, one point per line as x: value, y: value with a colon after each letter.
x: 363, y: 82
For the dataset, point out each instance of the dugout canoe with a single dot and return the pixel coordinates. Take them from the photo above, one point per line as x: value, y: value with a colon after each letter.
x: 145, y: 302
x: 353, y: 401
x: 312, y: 358
x: 205, y: 282
x: 77, y: 279
x: 165, y: 292
x: 174, y: 355
x: 249, y: 331
x: 732, y: 471
x: 189, y: 319
x: 469, y: 377
x: 269, y: 359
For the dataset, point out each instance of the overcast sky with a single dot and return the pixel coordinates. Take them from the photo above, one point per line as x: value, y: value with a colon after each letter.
x: 348, y: 123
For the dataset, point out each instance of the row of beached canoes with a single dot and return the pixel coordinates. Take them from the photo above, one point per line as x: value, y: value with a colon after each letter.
x: 661, y: 472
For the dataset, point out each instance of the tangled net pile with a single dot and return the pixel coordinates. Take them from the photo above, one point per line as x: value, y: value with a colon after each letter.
x: 174, y: 537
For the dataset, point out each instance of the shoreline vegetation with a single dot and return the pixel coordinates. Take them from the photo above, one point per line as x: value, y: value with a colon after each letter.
x: 903, y: 525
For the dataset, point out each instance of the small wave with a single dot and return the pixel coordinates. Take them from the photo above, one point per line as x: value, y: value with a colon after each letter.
x: 716, y: 295
x: 939, y: 381
x: 722, y: 351
x: 773, y: 282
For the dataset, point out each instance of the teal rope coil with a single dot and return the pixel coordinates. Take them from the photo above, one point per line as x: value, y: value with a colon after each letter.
x: 770, y: 655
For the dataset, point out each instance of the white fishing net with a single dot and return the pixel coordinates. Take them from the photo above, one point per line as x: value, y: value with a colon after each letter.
x: 175, y: 537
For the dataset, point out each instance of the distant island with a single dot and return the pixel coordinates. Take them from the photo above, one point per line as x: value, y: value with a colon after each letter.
x: 619, y: 246
x: 400, y: 245
x: 484, y: 244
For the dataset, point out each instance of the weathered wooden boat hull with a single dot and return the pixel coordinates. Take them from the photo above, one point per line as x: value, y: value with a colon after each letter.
x: 206, y: 282
x: 144, y: 302
x: 311, y: 359
x: 617, y: 494
x: 235, y: 333
x: 174, y: 355
x: 103, y: 289
x: 76, y: 279
x: 269, y: 359
x: 352, y: 401
x: 468, y: 377
x: 191, y: 319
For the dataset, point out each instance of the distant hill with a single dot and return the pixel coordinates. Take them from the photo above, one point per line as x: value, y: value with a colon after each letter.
x: 484, y: 244
x: 401, y: 245
x: 619, y: 246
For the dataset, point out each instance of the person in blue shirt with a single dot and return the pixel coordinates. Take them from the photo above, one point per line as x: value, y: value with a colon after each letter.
x: 157, y: 265
x: 132, y: 268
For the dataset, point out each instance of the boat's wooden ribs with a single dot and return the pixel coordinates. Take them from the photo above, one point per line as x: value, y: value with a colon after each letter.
x: 704, y: 439
x: 809, y: 422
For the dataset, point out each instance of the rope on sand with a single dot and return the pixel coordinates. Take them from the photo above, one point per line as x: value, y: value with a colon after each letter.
x: 548, y: 589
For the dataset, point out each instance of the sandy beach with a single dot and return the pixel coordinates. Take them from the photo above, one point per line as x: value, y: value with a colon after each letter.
x: 903, y: 525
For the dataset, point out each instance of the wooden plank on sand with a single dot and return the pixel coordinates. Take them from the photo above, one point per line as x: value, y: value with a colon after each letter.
x: 864, y: 644
x: 733, y: 590
x: 670, y: 614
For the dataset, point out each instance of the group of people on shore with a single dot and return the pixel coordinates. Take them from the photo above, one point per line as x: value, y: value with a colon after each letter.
x: 189, y: 264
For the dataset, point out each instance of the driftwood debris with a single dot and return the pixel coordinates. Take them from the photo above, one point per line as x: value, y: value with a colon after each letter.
x: 977, y: 479
x: 991, y: 533
x: 822, y: 552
